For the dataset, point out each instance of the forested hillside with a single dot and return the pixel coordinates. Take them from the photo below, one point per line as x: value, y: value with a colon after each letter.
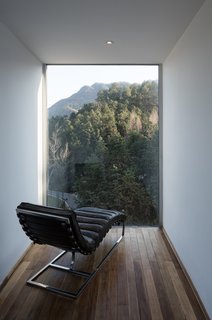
x: 86, y: 94
x: 108, y: 152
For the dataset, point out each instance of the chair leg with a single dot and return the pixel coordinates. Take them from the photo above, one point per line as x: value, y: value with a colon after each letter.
x: 88, y: 276
x: 72, y: 260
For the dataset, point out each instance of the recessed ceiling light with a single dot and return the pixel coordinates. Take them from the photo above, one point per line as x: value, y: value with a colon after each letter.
x: 109, y: 42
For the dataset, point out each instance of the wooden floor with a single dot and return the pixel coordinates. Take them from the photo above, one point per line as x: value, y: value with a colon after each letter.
x: 141, y: 280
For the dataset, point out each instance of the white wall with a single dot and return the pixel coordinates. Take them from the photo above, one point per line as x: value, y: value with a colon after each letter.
x: 20, y: 75
x: 187, y: 143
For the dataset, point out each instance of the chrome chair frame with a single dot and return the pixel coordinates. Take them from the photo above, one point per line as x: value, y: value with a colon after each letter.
x: 87, y: 275
x: 75, y: 231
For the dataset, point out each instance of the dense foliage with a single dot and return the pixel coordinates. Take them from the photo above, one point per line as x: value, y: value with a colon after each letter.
x: 108, y: 152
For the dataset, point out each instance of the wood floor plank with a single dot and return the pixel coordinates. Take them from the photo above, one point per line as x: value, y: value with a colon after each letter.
x: 141, y: 280
x: 142, y: 296
x: 191, y: 295
x: 122, y: 286
x: 9, y: 293
x: 158, y: 278
x: 149, y: 281
x: 7, y: 290
x: 132, y: 255
x: 162, y: 255
x: 185, y: 303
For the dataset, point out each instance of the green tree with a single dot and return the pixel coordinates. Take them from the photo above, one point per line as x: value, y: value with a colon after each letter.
x: 108, y: 152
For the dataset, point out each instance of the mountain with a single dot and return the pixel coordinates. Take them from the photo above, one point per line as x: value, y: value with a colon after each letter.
x: 73, y: 103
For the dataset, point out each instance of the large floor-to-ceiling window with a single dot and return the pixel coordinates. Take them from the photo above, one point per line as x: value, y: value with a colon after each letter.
x: 103, y: 138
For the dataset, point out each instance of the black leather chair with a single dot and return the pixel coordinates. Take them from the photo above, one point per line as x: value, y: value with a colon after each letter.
x: 79, y: 230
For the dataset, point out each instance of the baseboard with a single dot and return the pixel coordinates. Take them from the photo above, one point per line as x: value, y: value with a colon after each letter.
x: 5, y: 280
x: 186, y: 274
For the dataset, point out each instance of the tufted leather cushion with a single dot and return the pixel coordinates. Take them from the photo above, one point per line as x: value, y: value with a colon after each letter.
x: 94, y: 223
x: 80, y: 230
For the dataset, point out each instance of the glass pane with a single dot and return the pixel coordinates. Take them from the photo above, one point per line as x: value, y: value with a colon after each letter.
x: 104, y: 139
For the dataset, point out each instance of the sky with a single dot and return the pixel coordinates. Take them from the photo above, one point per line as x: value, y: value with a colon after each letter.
x: 63, y: 81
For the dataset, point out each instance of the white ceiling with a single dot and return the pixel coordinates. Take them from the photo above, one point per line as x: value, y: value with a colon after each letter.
x: 75, y: 32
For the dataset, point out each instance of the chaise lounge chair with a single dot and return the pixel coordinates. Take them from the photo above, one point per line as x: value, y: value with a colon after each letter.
x: 80, y: 230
